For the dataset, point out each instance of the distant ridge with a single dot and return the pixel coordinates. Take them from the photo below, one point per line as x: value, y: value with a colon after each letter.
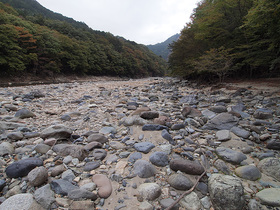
x: 162, y: 49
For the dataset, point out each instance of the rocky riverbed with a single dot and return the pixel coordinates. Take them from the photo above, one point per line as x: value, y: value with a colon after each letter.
x: 139, y: 144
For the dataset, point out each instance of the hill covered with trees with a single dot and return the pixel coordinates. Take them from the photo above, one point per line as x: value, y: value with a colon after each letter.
x: 162, y: 49
x: 239, y: 38
x: 35, y: 40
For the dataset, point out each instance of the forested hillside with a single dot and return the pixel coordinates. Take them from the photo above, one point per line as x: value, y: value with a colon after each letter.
x: 239, y: 38
x: 36, y: 41
x: 162, y: 49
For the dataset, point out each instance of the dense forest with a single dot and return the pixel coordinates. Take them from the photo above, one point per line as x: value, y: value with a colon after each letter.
x: 237, y: 38
x: 37, y: 41
x: 162, y: 49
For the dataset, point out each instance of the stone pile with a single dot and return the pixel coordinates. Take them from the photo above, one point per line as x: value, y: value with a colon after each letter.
x: 139, y: 144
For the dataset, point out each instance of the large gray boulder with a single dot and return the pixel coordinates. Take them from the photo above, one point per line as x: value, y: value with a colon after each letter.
x: 226, y: 192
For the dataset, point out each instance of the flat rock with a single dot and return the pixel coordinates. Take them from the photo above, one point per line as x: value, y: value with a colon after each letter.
x: 153, y: 127
x: 91, y: 165
x: 273, y: 144
x: 134, y: 156
x: 57, y: 170
x: 240, y: 132
x: 149, y: 191
x: 223, y: 135
x: 59, y: 132
x: 103, y: 184
x: 24, y: 113
x: 92, y: 145
x: 37, y: 176
x: 222, y: 166
x: 263, y: 114
x: 149, y: 115
x: 62, y: 187
x: 99, y: 154
x: 22, y: 167
x: 230, y: 155
x: 79, y: 194
x: 180, y: 182
x: 75, y: 151
x: 167, y: 136
x: 249, y: 172
x: 191, y: 201
x: 21, y: 201
x: 218, y: 109
x: 97, y: 138
x: 165, y: 203
x: 42, y: 148
x: 223, y: 121
x: 187, y: 166
x: 15, y: 136
x: 44, y: 196
x: 6, y: 149
x: 269, y: 196
x: 107, y: 130
x: 159, y: 159
x: 188, y: 111
x: 144, y: 147
x: 226, y: 192
x: 144, y: 169
x: 270, y: 167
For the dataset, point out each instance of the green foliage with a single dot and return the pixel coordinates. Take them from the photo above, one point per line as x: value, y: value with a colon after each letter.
x: 36, y: 40
x: 247, y: 30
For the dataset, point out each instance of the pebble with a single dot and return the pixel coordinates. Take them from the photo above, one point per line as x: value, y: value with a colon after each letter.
x: 269, y: 196
x: 149, y: 191
x: 226, y: 192
x: 249, y: 172
x: 21, y: 201
x: 22, y: 167
x: 144, y: 169
x: 38, y: 176
x: 136, y: 132
x: 187, y: 166
x: 230, y: 155
x: 180, y: 182
x: 159, y: 159
x: 103, y: 184
x: 44, y: 196
x: 144, y: 147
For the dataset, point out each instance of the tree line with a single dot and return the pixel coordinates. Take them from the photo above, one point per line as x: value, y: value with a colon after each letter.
x: 236, y: 38
x: 31, y: 42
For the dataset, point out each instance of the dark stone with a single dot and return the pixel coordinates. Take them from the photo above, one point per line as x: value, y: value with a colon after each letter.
x: 24, y: 113
x: 91, y: 166
x: 223, y: 121
x: 2, y: 184
x: 78, y: 194
x: 177, y: 126
x: 148, y: 115
x: 240, y: 132
x: 159, y: 159
x: 144, y: 169
x: 263, y: 114
x: 99, y: 154
x: 167, y: 136
x: 230, y: 155
x: 134, y: 156
x: 92, y: 145
x: 273, y: 144
x: 180, y: 182
x: 22, y: 167
x: 62, y: 187
x: 153, y: 127
x: 75, y: 151
x: 65, y: 117
x: 218, y: 109
x: 59, y: 132
x: 97, y: 137
x: 187, y: 166
x: 144, y: 147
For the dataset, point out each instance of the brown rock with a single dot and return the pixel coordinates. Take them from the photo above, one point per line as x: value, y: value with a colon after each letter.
x: 187, y: 166
x: 38, y: 176
x: 103, y: 184
x: 58, y: 170
x: 98, y: 138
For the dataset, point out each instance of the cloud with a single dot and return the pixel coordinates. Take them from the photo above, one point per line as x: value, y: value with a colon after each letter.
x: 145, y: 21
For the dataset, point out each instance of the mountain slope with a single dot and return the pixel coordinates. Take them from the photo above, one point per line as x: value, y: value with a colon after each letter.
x: 162, y: 49
x: 35, y: 40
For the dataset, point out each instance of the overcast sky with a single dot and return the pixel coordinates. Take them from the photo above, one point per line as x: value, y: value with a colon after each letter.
x: 142, y: 21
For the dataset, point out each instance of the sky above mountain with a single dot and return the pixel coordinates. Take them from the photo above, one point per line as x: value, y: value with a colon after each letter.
x: 145, y: 21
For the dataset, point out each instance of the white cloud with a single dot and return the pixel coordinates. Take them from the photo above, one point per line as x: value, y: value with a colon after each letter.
x: 145, y: 21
